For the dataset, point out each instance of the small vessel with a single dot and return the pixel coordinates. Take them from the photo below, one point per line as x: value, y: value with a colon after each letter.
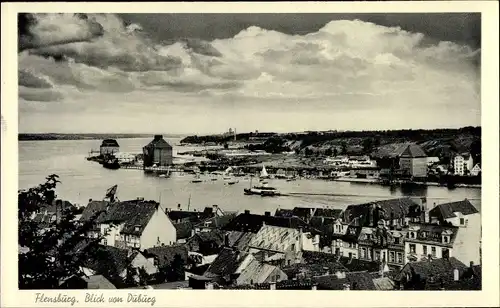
x: 262, y: 189
x: 263, y: 173
x: 196, y: 179
x: 162, y: 176
x: 111, y: 163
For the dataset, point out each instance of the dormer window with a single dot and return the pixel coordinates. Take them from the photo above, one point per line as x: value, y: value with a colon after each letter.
x: 412, y: 234
x: 445, y: 239
x: 424, y: 234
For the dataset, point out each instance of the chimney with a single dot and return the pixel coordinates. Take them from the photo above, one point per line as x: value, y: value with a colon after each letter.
x: 267, y: 214
x: 471, y: 264
x: 456, y: 275
x: 247, y: 212
x: 272, y: 286
x: 215, y: 207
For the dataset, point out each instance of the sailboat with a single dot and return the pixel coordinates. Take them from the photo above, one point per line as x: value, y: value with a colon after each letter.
x: 262, y: 189
x: 263, y: 173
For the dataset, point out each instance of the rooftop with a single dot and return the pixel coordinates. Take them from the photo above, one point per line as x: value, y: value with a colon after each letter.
x: 448, y: 210
x: 159, y: 142
x: 253, y: 223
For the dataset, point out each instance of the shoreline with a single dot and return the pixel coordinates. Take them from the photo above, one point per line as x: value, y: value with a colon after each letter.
x: 375, y: 181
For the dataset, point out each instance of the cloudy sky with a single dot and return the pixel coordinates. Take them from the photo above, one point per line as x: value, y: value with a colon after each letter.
x: 204, y: 73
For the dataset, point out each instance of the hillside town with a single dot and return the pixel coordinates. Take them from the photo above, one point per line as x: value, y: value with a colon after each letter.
x: 394, y: 244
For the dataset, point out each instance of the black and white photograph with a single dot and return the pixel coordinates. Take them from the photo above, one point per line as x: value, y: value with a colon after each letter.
x: 249, y: 151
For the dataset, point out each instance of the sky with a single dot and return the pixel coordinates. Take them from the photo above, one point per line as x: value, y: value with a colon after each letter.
x: 205, y: 73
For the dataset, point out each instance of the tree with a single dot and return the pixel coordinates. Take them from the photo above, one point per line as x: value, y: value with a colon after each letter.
x: 329, y: 152
x: 335, y: 152
x: 367, y: 145
x: 51, y: 254
x: 343, y: 144
x: 175, y: 271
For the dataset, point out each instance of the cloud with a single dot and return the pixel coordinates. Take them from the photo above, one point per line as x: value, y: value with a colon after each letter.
x: 346, y: 66
x: 41, y: 30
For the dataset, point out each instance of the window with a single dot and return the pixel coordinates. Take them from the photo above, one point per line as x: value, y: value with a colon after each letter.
x: 413, y: 248
x: 425, y: 250
x: 369, y: 253
x: 412, y: 234
x: 392, y: 259
x: 445, y: 239
x: 433, y: 251
x: 445, y: 253
x: 289, y: 262
x: 396, y: 240
x: 363, y: 253
x: 400, y: 257
x: 350, y: 255
x: 105, y: 242
x: 377, y: 255
x: 293, y: 247
x: 462, y: 221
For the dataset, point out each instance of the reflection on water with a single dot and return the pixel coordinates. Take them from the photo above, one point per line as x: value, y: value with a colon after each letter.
x: 82, y: 180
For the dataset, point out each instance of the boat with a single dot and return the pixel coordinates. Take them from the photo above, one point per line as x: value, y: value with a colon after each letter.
x: 111, y: 163
x: 263, y: 173
x: 262, y: 189
x: 196, y: 179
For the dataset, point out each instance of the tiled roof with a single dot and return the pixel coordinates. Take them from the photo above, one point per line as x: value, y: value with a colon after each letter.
x: 109, y: 143
x: 98, y: 282
x: 165, y: 254
x: 413, y: 151
x: 134, y: 214
x: 226, y: 263
x: 217, y: 221
x: 383, y: 283
x: 438, y: 268
x: 183, y: 229
x: 255, y: 272
x: 92, y: 209
x: 350, y: 264
x: 159, y: 142
x: 239, y: 240
x: 274, y: 238
x: 332, y: 213
x: 388, y: 209
x: 253, y: 223
x: 284, y: 213
x: 191, y: 216
x: 314, y: 269
x: 432, y: 233
x: 447, y: 210
x: 303, y: 212
x: 107, y: 260
x: 356, y: 281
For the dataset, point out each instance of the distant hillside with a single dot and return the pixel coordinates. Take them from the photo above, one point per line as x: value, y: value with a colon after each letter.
x: 56, y: 136
x: 437, y: 142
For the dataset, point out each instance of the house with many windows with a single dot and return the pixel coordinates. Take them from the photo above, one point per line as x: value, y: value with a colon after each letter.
x: 462, y: 164
x: 424, y: 241
x: 136, y: 224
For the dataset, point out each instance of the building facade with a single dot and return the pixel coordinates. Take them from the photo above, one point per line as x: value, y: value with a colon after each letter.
x: 109, y: 146
x: 158, y: 153
x: 462, y: 164
x: 413, y: 162
x: 476, y: 170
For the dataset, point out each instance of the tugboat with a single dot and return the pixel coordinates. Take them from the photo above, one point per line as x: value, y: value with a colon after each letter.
x: 111, y: 163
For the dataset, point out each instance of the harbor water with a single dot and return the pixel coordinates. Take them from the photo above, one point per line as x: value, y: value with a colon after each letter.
x: 83, y: 180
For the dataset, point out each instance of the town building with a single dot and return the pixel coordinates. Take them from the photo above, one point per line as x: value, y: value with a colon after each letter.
x: 439, y: 274
x: 462, y: 164
x: 476, y: 170
x: 109, y: 146
x: 259, y: 272
x: 466, y: 217
x: 158, y: 153
x: 136, y: 223
x: 413, y: 162
x: 431, y: 160
x: 396, y: 212
x: 425, y: 241
x: 361, y: 162
x: 282, y: 243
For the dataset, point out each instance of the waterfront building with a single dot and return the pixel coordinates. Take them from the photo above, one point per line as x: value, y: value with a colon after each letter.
x: 413, y: 162
x: 476, y: 170
x: 136, y: 224
x: 462, y: 164
x: 158, y: 153
x: 109, y: 146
